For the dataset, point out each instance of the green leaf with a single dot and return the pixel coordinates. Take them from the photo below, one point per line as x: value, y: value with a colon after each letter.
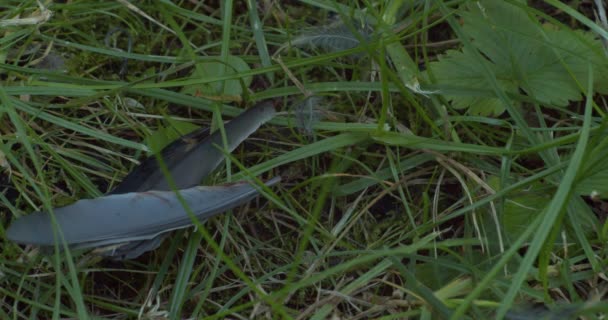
x: 522, y: 206
x: 543, y: 62
x: 233, y: 89
x: 593, y: 179
x: 460, y: 68
x: 166, y: 134
x: 552, y: 216
x: 595, y: 184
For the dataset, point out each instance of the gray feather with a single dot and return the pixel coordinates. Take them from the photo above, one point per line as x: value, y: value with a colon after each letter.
x: 127, y: 217
x: 334, y: 37
x: 132, y: 218
x: 192, y: 157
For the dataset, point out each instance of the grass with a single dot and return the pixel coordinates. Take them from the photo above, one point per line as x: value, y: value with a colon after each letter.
x: 398, y: 200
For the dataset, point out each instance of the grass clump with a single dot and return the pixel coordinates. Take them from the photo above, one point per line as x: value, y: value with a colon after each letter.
x: 455, y: 168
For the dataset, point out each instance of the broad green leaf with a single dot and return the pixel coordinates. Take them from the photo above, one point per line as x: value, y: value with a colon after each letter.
x: 593, y: 178
x: 523, y: 206
x: 166, y: 134
x: 232, y: 90
x: 594, y: 184
x: 460, y: 68
x: 541, y: 61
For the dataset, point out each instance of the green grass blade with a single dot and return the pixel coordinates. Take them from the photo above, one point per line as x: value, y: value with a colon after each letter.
x: 258, y: 35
